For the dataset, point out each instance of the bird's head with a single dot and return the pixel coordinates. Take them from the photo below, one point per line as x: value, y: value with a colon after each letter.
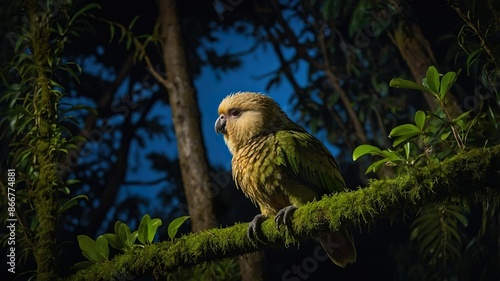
x: 245, y: 115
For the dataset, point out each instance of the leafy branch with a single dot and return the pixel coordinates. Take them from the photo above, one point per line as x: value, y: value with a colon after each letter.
x: 430, y: 129
x: 437, y: 87
x: 438, y: 229
x: 32, y: 122
x: 474, y: 25
x: 140, y: 52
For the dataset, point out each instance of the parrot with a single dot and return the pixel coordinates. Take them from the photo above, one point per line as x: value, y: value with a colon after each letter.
x: 279, y: 166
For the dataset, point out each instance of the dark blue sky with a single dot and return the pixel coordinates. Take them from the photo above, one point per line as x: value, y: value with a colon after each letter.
x: 211, y: 88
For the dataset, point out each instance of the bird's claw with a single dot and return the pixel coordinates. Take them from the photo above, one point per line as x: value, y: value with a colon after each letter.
x: 254, y: 231
x: 284, y: 217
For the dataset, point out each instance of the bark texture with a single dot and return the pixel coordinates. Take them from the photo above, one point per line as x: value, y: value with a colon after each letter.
x: 186, y: 116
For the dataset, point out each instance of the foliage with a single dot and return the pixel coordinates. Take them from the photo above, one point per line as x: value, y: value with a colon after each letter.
x: 173, y: 227
x: 447, y: 246
x: 438, y: 230
x: 123, y: 240
x: 97, y: 251
x: 33, y: 125
x: 94, y: 251
x: 431, y: 131
x: 341, y: 90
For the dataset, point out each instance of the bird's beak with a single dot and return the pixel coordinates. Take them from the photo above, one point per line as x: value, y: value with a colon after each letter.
x: 220, y: 124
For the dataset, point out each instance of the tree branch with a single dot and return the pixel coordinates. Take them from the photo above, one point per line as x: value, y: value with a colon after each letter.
x: 471, y: 176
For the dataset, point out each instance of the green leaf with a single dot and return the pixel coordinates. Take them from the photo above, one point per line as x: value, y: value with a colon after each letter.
x: 462, y: 116
x: 424, y: 83
x: 360, y: 18
x: 129, y: 42
x: 173, y: 227
x: 114, y: 241
x: 131, y: 24
x: 375, y: 166
x: 143, y: 229
x: 70, y: 146
x: 111, y: 32
x: 117, y: 226
x: 404, y: 130
x: 123, y: 232
x: 19, y: 42
x: 446, y: 83
x: 102, y: 248
x: 71, y: 203
x: 155, y: 223
x: 428, y: 242
x: 76, y: 139
x: 407, y: 84
x: 393, y: 156
x: 88, y: 247
x: 85, y: 243
x: 460, y: 120
x: 123, y: 33
x: 432, y: 77
x: 472, y: 57
x: 457, y: 213
x: 365, y: 149
x: 444, y: 136
x: 80, y: 107
x: 83, y: 264
x: 131, y: 239
x: 83, y: 10
x: 72, y: 181
x: 64, y: 190
x: 407, y: 147
x: 402, y: 139
x: 420, y: 119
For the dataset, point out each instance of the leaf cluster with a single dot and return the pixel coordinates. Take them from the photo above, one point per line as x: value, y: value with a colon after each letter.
x: 123, y: 240
x: 33, y: 136
x: 428, y: 139
x: 439, y: 229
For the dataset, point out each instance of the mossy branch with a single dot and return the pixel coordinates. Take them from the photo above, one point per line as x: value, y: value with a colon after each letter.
x: 44, y: 198
x: 471, y: 176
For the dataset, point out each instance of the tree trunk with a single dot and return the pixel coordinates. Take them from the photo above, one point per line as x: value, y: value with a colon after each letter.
x: 186, y: 117
x: 251, y: 266
x: 417, y: 53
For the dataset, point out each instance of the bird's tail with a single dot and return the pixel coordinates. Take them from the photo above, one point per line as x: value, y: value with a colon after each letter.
x: 339, y: 246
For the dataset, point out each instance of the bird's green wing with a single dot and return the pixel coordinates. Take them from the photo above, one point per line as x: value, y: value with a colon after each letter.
x: 309, y: 161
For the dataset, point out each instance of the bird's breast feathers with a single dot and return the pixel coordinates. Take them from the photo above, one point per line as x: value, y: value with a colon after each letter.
x: 258, y: 175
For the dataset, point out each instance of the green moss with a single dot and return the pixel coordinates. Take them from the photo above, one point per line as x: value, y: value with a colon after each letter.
x: 465, y: 177
x: 44, y: 193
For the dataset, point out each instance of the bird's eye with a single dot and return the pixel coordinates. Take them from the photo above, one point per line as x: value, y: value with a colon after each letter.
x: 235, y: 112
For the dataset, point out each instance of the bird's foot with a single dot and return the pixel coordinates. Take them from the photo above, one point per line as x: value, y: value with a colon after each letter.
x: 284, y: 217
x: 254, y: 232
